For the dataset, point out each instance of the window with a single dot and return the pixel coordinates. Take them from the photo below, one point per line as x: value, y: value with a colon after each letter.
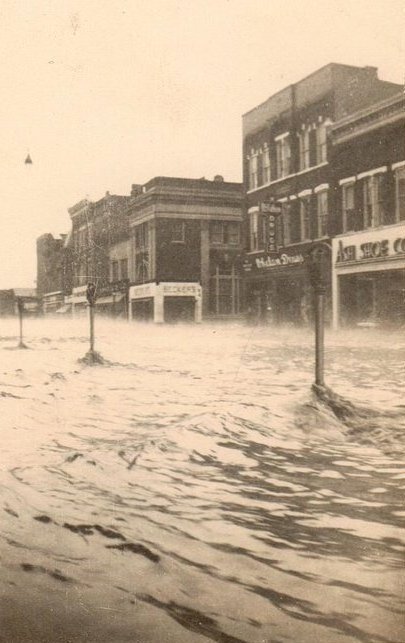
x: 305, y: 211
x: 321, y: 144
x: 286, y: 223
x: 253, y: 172
x: 254, y: 229
x: 304, y: 149
x: 142, y: 236
x: 400, y: 193
x: 224, y: 233
x: 178, y: 232
x: 283, y: 156
x: 124, y: 268
x: 322, y: 212
x: 373, y: 200
x: 225, y: 287
x: 114, y: 271
x: 142, y: 252
x: 266, y: 165
x: 349, y: 214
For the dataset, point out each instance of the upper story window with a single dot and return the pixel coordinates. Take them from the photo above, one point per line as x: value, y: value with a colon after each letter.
x: 142, y: 236
x: 321, y: 143
x: 400, y: 193
x: 253, y: 178
x: 348, y: 209
x: 283, y: 155
x: 254, y: 230
x: 266, y: 165
x: 322, y: 213
x: 305, y: 218
x: 114, y: 271
x: 124, y: 268
x: 178, y: 232
x: 225, y: 233
x: 373, y: 201
x: 304, y: 149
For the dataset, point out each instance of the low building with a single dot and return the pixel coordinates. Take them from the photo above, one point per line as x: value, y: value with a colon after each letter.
x: 186, y: 250
x: 368, y: 259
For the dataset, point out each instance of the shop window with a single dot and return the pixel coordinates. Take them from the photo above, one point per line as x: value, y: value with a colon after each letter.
x: 349, y: 213
x: 178, y: 232
x: 225, y: 291
x: 400, y: 193
x: 283, y: 155
x: 322, y: 214
x: 305, y: 219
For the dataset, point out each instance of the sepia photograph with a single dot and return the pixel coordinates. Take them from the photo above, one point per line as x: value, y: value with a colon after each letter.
x: 202, y: 321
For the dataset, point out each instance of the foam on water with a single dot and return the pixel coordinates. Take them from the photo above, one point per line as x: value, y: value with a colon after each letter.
x: 193, y: 488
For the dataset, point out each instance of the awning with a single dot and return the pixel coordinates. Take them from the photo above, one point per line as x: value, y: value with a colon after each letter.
x: 111, y: 299
x: 64, y: 309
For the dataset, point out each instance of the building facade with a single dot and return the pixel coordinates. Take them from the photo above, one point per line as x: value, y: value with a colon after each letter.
x: 96, y: 228
x: 289, y: 178
x: 368, y: 259
x: 186, y: 250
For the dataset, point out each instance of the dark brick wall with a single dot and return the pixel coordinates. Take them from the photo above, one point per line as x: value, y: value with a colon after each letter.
x: 176, y: 261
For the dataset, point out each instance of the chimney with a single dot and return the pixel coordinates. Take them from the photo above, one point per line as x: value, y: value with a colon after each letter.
x: 218, y: 178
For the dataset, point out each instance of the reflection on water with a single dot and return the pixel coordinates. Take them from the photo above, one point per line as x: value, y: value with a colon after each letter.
x: 193, y: 489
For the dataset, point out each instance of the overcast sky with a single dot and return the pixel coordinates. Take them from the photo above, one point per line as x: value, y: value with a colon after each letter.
x: 106, y: 93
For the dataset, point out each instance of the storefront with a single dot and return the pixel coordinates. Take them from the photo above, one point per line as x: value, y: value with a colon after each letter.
x: 78, y: 301
x: 166, y: 302
x: 278, y: 288
x: 368, y: 278
x: 52, y: 302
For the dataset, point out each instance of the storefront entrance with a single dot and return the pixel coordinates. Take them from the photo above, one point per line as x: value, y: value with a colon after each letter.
x: 142, y: 309
x: 179, y: 309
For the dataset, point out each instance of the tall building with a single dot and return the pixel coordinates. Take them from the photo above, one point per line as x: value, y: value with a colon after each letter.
x: 288, y: 178
x: 368, y: 259
x: 185, y: 249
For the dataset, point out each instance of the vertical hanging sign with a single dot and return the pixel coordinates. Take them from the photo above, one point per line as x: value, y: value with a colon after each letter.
x: 273, y: 210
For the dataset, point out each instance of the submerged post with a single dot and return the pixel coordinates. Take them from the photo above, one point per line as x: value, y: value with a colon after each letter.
x: 20, y: 306
x: 91, y: 357
x: 318, y: 258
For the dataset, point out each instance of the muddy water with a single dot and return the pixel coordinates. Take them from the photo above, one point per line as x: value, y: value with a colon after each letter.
x: 192, y: 489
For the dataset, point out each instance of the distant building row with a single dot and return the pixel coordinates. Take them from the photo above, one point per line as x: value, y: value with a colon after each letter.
x: 323, y: 160
x: 172, y: 250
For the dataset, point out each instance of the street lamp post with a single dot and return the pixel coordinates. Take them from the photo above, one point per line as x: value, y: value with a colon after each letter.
x: 317, y: 263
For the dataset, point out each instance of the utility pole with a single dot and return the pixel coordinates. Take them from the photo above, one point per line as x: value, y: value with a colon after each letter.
x: 20, y: 306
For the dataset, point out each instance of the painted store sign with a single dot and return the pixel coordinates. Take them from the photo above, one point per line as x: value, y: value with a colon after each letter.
x: 369, y: 250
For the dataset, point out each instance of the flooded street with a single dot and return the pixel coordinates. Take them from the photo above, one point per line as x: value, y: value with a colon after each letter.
x: 193, y: 489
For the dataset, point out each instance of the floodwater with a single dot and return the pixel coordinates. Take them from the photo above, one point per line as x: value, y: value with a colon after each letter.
x: 193, y: 489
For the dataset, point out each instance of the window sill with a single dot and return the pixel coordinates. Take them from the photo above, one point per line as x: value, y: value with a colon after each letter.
x: 288, y: 176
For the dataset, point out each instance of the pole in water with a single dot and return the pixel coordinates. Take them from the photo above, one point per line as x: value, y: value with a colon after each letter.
x: 20, y: 306
x: 92, y: 357
x: 318, y: 257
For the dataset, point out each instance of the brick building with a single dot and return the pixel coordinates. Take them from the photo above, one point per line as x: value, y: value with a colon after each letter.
x: 185, y: 249
x: 96, y: 228
x: 286, y: 161
x: 368, y: 260
x: 50, y: 271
